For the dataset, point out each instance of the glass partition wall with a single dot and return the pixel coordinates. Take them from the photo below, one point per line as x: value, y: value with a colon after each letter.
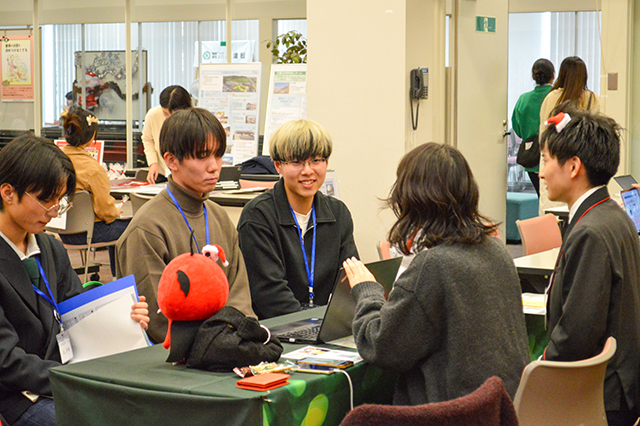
x: 84, y: 64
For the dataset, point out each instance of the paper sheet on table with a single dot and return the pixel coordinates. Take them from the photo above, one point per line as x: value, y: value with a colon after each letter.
x: 107, y: 331
x: 534, y: 304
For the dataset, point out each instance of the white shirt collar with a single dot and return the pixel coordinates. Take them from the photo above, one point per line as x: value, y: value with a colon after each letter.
x: 580, y: 200
x: 32, y: 246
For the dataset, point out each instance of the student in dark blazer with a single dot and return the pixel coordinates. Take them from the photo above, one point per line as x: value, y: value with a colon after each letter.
x: 595, y: 290
x: 36, y: 179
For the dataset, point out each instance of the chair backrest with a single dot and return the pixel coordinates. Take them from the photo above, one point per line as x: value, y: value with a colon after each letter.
x: 489, y: 405
x: 384, y: 250
x: 141, y: 175
x: 80, y: 217
x: 137, y: 200
x: 540, y: 233
x: 564, y: 393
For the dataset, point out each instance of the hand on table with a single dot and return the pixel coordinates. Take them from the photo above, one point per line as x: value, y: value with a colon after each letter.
x: 140, y: 313
x: 356, y: 272
x: 153, y: 173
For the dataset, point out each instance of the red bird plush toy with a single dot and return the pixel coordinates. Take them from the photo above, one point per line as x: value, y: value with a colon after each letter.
x: 192, y: 288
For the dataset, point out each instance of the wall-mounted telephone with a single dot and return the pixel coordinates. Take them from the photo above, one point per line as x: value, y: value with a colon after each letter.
x: 419, y: 83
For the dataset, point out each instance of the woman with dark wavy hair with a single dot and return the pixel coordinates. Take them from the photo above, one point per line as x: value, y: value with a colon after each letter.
x: 454, y: 317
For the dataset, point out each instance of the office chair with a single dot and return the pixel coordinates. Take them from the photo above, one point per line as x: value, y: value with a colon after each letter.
x: 81, y: 218
x: 141, y: 175
x: 138, y: 200
x: 556, y: 393
x: 489, y: 405
x: 540, y: 233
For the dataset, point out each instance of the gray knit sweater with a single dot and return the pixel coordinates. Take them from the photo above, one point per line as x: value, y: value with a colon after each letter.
x: 453, y: 319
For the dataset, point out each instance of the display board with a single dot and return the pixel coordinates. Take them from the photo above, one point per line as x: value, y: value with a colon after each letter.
x: 232, y: 93
x: 105, y: 83
x: 287, y: 98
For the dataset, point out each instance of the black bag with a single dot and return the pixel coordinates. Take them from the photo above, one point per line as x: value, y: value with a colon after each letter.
x: 230, y: 339
x: 529, y: 152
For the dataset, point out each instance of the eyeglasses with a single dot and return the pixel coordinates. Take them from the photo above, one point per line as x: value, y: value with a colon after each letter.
x: 314, y: 163
x: 62, y: 207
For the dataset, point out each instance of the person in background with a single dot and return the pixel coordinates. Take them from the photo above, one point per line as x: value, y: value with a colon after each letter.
x: 526, y: 114
x: 594, y: 292
x: 293, y: 237
x: 79, y: 129
x: 172, y: 99
x: 569, y: 89
x: 36, y: 179
x: 182, y: 217
x: 454, y: 317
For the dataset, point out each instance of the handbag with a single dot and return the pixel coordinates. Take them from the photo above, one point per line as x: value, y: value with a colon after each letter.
x: 529, y: 152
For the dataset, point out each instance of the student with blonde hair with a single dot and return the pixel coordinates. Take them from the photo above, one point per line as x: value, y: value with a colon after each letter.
x: 294, y: 238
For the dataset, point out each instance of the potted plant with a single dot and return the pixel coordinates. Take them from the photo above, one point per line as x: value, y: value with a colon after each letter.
x: 289, y: 48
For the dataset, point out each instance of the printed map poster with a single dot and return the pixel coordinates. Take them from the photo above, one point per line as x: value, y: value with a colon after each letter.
x: 16, y: 55
x: 232, y: 93
x: 287, y: 98
x: 215, y: 52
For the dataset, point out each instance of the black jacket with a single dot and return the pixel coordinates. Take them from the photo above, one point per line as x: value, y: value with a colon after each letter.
x: 596, y: 294
x: 272, y: 254
x: 28, y: 346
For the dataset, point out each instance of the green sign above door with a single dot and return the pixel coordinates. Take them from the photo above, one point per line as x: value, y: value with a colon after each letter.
x: 485, y: 24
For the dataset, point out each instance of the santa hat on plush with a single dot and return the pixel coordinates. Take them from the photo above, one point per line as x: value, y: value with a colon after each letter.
x: 192, y: 288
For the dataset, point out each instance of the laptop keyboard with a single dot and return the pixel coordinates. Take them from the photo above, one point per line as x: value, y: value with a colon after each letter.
x: 306, y: 333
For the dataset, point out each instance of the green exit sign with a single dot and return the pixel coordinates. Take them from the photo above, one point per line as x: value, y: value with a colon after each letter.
x: 485, y: 24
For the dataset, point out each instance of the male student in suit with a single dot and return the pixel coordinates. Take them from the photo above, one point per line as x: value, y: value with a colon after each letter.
x: 192, y: 142
x: 594, y: 292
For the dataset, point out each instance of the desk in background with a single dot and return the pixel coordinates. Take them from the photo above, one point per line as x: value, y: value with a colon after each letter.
x: 231, y: 201
x: 534, y: 270
x: 139, y: 387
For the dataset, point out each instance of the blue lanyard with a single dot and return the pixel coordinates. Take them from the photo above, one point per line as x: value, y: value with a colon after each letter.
x: 49, y: 298
x: 310, y: 271
x: 206, y: 221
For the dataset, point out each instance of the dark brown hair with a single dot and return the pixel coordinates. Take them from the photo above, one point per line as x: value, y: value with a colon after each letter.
x: 79, y: 126
x: 186, y: 134
x: 435, y: 199
x: 572, y: 78
x: 33, y: 164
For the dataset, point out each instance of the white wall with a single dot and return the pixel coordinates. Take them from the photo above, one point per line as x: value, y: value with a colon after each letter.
x: 358, y: 89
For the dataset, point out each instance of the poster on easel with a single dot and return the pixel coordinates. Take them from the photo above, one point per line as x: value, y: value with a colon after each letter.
x: 16, y: 54
x: 95, y: 149
x: 287, y: 99
x: 232, y: 93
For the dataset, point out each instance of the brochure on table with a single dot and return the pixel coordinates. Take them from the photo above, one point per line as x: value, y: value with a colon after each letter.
x: 232, y: 93
x: 287, y: 98
x: 99, y: 321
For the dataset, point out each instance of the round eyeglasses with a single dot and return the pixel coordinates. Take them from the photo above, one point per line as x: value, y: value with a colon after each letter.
x: 60, y: 208
x: 314, y: 163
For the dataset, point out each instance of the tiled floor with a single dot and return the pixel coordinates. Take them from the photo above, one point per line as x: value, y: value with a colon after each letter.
x: 102, y: 257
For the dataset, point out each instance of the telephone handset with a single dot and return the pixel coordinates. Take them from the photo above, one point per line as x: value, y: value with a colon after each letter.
x: 419, y: 83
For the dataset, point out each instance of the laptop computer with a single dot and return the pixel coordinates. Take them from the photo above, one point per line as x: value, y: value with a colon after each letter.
x: 631, y: 201
x: 229, y: 178
x: 337, y: 320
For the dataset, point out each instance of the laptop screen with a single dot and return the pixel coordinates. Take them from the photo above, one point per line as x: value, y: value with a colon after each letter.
x: 631, y: 200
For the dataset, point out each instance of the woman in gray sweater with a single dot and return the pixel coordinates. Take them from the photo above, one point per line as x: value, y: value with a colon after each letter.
x: 454, y: 317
